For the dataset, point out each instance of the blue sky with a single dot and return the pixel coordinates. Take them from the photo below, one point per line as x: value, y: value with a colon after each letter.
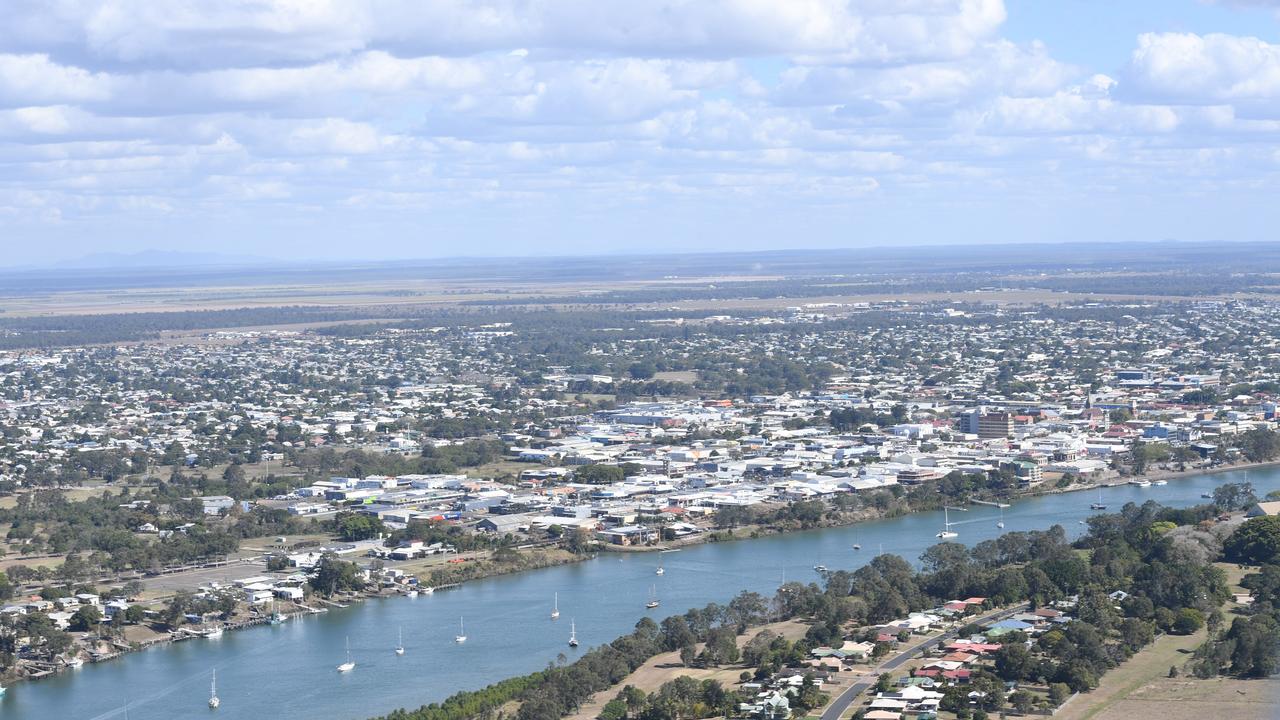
x: 375, y: 129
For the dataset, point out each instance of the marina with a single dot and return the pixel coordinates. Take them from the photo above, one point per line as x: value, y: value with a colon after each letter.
x: 261, y: 670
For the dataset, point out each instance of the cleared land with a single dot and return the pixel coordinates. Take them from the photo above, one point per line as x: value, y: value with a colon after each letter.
x: 666, y: 667
x: 165, y: 585
x: 1185, y: 699
x: 1141, y: 689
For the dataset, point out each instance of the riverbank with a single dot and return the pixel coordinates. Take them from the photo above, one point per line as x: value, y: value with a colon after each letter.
x: 438, y: 572
x: 1167, y: 474
x: 507, y: 620
x: 865, y: 514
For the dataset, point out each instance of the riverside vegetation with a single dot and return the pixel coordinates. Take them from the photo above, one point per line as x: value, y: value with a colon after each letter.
x: 1161, y: 558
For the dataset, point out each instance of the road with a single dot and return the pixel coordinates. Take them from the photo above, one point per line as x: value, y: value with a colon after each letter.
x: 846, y: 698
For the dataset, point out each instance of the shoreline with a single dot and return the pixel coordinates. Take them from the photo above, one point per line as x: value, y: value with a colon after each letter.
x: 487, y: 568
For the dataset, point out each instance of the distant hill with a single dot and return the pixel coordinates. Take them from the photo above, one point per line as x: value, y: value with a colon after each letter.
x: 162, y: 258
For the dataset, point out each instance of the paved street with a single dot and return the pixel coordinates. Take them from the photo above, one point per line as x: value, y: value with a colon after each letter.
x: 838, y: 706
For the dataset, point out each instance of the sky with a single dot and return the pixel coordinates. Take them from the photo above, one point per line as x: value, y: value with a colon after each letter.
x: 386, y: 129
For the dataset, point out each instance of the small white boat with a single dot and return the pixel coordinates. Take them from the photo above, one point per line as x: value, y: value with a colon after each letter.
x: 1159, y: 482
x: 856, y: 546
x: 653, y: 598
x: 213, y: 634
x: 214, y: 702
x: 1140, y: 483
x: 573, y: 635
x: 400, y: 641
x: 413, y: 593
x: 1000, y: 524
x: 1098, y: 505
x: 350, y: 664
x: 555, y: 606
x: 1207, y: 496
x: 946, y: 533
x: 659, y: 571
x: 427, y: 590
x: 820, y: 568
x: 461, y: 637
x: 75, y: 663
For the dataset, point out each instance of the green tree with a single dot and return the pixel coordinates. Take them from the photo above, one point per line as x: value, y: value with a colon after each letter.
x: 1188, y: 621
x: 615, y: 709
x: 85, y: 619
x: 1255, y: 542
x: 1058, y: 693
x: 642, y: 370
x: 599, y: 474
x: 1014, y: 662
x: 1255, y: 650
x: 332, y: 575
x: 1234, y: 496
x: 357, y: 526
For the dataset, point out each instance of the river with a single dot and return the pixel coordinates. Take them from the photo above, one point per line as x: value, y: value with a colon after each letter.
x: 287, y: 672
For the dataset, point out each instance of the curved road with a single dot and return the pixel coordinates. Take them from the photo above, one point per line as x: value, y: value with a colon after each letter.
x: 846, y: 698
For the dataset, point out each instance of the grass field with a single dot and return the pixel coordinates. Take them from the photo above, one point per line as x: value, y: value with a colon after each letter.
x: 500, y: 469
x: 1141, y: 689
x: 681, y: 376
x: 1143, y: 669
x: 666, y: 667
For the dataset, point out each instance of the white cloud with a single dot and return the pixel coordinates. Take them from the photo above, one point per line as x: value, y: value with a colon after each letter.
x: 30, y: 79
x: 992, y: 69
x: 341, y: 109
x: 1206, y: 69
x: 245, y: 33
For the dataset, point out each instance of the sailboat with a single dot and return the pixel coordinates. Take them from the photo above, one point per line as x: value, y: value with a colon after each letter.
x: 276, y: 617
x: 1001, y: 523
x: 653, y: 597
x: 573, y: 634
x: 400, y: 641
x: 350, y: 664
x: 659, y: 571
x: 214, y: 702
x: 555, y: 606
x: 1098, y: 505
x: 461, y: 637
x: 947, y: 533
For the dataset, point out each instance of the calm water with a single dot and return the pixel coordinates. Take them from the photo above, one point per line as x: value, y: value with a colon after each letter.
x: 287, y: 672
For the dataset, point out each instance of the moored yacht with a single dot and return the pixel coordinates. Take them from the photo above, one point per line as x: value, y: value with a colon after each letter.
x: 350, y: 664
x: 214, y: 702
x: 947, y: 533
